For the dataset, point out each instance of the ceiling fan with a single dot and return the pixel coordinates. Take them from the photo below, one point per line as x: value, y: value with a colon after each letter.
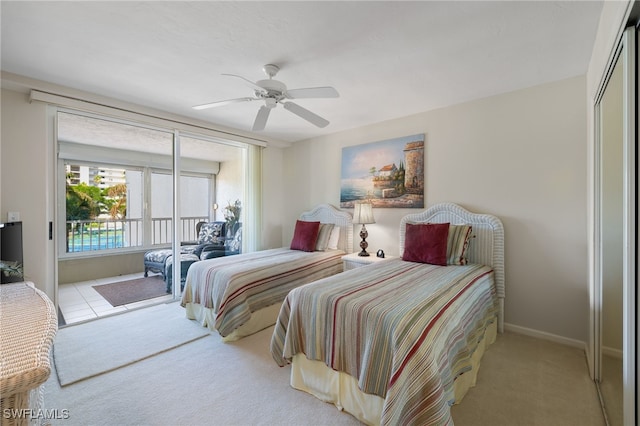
x: 274, y: 92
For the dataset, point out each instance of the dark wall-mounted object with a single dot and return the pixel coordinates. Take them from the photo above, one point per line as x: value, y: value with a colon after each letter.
x: 11, y: 249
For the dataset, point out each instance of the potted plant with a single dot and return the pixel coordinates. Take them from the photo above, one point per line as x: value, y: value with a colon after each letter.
x: 232, y: 216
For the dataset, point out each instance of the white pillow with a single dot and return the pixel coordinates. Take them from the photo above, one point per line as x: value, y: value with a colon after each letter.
x: 334, y: 238
x: 323, y: 236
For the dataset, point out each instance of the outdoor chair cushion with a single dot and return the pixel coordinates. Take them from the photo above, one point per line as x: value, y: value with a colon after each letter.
x: 154, y: 261
x: 212, y: 233
x: 231, y: 246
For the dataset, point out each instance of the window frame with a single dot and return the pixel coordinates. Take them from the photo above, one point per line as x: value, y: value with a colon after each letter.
x: 83, y: 157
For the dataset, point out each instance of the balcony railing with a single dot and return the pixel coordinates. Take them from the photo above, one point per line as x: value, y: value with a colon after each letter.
x: 161, y: 229
x: 108, y: 234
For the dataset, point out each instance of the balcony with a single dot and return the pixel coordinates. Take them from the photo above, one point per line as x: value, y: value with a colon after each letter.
x: 113, y: 234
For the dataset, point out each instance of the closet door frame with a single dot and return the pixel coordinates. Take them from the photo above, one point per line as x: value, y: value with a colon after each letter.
x: 626, y: 52
x: 630, y: 218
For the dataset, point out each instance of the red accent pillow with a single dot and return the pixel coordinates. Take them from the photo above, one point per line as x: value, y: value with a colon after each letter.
x: 426, y: 243
x: 305, y: 236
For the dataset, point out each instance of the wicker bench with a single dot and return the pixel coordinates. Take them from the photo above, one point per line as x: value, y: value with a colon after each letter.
x: 29, y: 324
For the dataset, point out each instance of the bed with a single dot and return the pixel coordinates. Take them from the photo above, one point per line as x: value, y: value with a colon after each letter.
x: 397, y: 341
x: 240, y: 295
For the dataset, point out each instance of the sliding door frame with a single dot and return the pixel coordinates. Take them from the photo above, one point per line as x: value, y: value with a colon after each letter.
x: 61, y: 103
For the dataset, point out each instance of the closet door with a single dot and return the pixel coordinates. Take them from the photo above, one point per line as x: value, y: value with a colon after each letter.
x: 616, y: 228
x: 630, y: 225
x: 611, y: 253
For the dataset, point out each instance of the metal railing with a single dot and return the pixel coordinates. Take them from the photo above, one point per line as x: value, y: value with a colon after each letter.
x: 161, y: 229
x: 109, y: 234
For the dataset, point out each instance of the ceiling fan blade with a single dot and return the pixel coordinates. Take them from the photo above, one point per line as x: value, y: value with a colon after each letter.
x: 261, y: 118
x: 222, y: 103
x: 250, y: 83
x: 313, y: 92
x: 306, y: 114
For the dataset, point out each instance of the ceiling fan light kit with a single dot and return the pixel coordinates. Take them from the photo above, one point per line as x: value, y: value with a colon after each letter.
x: 274, y: 92
x: 271, y: 70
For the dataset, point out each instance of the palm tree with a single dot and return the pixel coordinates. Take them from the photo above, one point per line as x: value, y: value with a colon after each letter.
x: 117, y: 201
x: 82, y: 203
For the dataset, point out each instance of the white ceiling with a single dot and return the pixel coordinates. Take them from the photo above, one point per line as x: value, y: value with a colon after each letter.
x: 387, y: 59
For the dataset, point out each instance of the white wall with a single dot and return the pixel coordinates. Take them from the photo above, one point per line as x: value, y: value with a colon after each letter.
x: 275, y: 198
x: 26, y: 187
x: 520, y: 156
x: 230, y: 184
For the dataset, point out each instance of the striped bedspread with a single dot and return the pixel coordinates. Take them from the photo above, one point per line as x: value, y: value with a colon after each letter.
x: 405, y: 330
x: 235, y: 286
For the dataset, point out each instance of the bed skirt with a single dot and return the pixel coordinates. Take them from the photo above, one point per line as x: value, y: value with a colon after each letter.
x: 260, y: 319
x: 341, y: 389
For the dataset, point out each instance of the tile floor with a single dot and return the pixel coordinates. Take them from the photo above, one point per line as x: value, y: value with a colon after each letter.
x: 79, y: 302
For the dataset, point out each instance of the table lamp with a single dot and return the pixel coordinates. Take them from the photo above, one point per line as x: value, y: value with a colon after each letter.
x: 363, y: 213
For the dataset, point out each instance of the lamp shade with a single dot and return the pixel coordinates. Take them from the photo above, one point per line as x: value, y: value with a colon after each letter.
x: 363, y: 213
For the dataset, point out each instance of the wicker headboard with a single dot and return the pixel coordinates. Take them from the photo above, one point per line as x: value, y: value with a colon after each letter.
x: 326, y: 213
x: 486, y: 246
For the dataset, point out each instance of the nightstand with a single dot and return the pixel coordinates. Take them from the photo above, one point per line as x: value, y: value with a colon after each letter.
x: 353, y: 261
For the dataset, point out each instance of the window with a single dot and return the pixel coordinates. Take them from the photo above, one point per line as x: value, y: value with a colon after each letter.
x: 194, y: 206
x: 97, y: 207
x: 115, y: 183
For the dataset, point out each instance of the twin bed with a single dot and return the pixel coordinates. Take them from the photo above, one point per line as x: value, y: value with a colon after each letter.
x: 395, y: 342
x: 240, y: 295
x: 399, y: 342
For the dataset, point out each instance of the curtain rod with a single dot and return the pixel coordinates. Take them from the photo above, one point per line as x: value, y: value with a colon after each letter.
x: 71, y: 102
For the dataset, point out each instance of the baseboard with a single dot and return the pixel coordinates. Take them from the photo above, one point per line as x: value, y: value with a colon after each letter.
x: 546, y: 336
x: 61, y: 321
x: 614, y: 353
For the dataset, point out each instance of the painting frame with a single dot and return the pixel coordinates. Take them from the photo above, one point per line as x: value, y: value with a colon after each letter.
x: 386, y: 173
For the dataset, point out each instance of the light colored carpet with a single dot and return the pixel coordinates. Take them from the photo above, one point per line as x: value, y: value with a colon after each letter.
x: 206, y: 382
x: 531, y: 382
x: 89, y: 349
x: 522, y: 381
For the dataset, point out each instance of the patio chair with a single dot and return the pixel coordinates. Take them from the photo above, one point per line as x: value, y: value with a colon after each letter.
x: 210, y: 234
x: 232, y: 245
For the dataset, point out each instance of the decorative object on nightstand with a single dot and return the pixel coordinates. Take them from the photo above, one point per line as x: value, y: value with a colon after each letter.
x: 363, y: 213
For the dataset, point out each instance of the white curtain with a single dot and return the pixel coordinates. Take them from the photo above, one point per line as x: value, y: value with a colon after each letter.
x: 252, y: 240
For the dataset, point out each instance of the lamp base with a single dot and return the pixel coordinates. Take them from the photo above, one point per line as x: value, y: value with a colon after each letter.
x: 363, y: 253
x: 363, y: 244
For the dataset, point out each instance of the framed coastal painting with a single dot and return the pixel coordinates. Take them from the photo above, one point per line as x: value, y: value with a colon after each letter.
x: 388, y: 173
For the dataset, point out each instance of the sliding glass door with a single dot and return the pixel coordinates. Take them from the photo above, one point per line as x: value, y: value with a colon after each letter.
x: 123, y: 191
x: 212, y: 178
x: 104, y: 180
